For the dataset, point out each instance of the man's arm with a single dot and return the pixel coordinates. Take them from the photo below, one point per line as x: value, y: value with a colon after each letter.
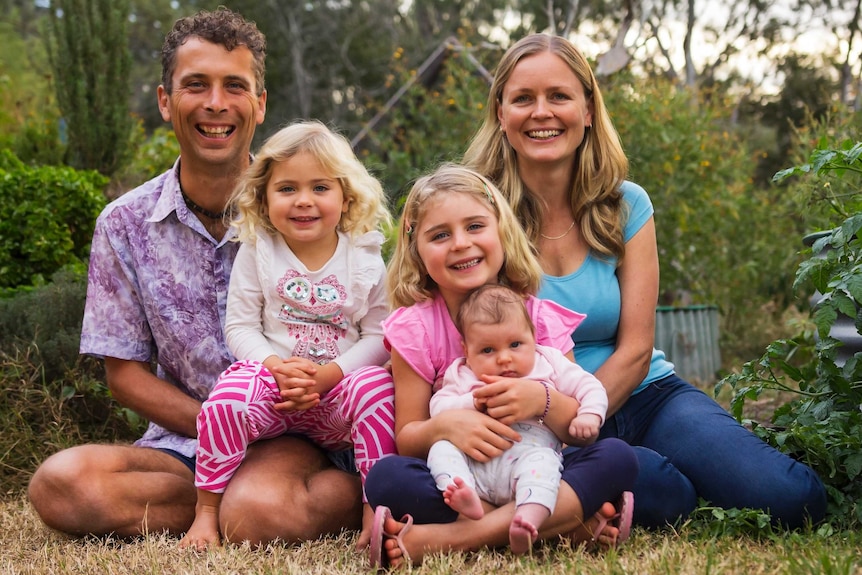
x: 134, y: 386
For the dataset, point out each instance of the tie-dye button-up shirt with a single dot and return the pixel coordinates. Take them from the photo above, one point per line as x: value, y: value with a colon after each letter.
x: 157, y: 289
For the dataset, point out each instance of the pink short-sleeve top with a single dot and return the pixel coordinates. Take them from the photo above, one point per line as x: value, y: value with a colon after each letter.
x: 425, y: 336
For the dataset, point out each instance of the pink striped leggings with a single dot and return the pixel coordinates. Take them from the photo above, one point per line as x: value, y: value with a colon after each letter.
x: 359, y: 411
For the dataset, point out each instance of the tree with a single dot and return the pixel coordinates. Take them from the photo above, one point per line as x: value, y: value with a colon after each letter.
x: 88, y: 51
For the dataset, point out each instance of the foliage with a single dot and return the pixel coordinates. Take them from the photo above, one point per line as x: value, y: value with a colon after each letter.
x: 47, y: 215
x: 48, y: 334
x: 719, y: 237
x: 822, y: 203
x: 806, y: 98
x: 709, y: 520
x: 90, y: 58
x: 432, y: 122
x: 51, y: 396
x: 28, y: 113
x: 152, y: 156
x: 48, y: 416
x: 823, y: 425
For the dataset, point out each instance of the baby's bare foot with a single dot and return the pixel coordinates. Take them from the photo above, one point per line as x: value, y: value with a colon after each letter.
x: 463, y: 499
x: 522, y: 533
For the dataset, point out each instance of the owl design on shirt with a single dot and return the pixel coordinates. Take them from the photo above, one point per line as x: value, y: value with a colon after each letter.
x: 313, y: 314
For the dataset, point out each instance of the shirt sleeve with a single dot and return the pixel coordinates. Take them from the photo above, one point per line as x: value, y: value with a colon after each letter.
x: 640, y: 208
x: 115, y: 322
x: 369, y: 349
x: 574, y: 381
x: 457, y: 390
x: 407, y: 333
x: 245, y: 303
x: 554, y: 323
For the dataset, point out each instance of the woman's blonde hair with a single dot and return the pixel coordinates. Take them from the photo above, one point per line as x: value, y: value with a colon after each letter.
x: 366, y: 208
x: 600, y: 165
x: 408, y: 280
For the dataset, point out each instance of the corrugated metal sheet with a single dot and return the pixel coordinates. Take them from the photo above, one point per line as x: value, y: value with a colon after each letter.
x: 689, y: 338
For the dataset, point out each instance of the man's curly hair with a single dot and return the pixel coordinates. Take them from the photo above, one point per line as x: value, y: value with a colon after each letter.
x: 222, y: 26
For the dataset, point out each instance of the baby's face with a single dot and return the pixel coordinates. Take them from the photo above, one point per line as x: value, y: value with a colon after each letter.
x: 507, y: 349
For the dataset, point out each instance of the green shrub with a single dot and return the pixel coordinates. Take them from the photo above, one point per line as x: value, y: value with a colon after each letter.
x: 823, y: 425
x: 47, y: 216
x: 721, y: 240
x: 50, y: 395
x: 153, y: 155
x: 49, y: 416
x: 45, y: 323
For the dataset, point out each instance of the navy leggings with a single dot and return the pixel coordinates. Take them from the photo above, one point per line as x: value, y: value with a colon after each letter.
x: 597, y: 473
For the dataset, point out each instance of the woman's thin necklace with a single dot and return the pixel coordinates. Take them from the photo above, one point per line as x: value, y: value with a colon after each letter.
x: 562, y: 235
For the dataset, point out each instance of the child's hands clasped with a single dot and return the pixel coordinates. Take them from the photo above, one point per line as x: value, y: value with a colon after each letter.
x: 296, y: 383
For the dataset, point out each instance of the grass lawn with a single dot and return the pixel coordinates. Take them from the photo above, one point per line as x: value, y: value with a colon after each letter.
x: 26, y: 546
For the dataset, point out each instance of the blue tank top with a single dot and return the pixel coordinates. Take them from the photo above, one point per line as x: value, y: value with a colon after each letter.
x: 594, y: 290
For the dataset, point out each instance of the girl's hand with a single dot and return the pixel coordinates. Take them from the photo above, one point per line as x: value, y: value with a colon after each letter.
x: 509, y: 400
x: 477, y: 435
x: 294, y: 377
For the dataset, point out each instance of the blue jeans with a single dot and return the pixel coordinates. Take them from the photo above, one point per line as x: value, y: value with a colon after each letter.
x: 598, y: 473
x: 688, y: 446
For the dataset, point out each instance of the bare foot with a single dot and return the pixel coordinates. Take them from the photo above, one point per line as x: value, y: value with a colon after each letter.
x: 524, y: 528
x: 390, y: 545
x: 463, y: 499
x: 204, y: 530
x: 365, y: 534
x: 608, y: 536
x: 522, y: 533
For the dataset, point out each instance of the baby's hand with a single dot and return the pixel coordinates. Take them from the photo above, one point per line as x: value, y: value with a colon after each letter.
x: 585, y: 428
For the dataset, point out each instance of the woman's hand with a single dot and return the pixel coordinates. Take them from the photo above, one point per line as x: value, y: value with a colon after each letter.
x: 509, y: 400
x: 480, y: 437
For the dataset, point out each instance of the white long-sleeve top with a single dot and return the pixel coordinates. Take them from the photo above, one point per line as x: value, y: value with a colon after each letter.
x: 551, y: 367
x: 277, y: 306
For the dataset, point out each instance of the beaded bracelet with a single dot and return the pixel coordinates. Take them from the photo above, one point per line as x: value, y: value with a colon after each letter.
x: 547, y: 403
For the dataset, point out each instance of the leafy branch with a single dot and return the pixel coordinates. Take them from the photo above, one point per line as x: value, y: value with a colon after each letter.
x: 823, y: 425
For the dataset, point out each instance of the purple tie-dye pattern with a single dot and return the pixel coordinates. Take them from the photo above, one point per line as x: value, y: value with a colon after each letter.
x: 157, y: 289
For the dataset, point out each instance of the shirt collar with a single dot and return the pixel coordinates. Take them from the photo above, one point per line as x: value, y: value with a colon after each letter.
x: 170, y: 199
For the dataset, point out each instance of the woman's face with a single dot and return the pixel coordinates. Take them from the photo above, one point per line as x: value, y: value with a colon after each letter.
x: 544, y: 111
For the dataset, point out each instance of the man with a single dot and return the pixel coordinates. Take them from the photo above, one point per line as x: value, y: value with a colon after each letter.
x: 159, y: 273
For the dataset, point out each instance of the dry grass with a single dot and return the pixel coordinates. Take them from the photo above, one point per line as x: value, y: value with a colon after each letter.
x: 28, y: 547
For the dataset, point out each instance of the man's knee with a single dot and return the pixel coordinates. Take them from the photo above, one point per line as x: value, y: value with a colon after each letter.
x: 292, y: 508
x: 59, y: 486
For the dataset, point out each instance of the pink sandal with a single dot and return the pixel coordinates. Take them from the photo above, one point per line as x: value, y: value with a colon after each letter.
x: 622, y: 519
x: 376, y: 553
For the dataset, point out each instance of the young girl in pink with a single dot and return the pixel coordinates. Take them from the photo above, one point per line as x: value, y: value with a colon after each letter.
x: 304, y: 311
x: 456, y: 234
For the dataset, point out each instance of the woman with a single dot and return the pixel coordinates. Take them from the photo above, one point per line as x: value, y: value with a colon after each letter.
x: 549, y: 144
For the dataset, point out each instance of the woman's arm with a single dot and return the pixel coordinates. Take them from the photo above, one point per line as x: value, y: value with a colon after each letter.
x: 638, y: 275
x: 477, y: 435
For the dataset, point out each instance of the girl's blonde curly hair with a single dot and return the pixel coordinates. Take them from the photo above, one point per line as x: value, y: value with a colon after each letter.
x: 366, y: 209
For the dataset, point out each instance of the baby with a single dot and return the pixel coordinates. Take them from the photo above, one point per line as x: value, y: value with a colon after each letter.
x: 499, y: 340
